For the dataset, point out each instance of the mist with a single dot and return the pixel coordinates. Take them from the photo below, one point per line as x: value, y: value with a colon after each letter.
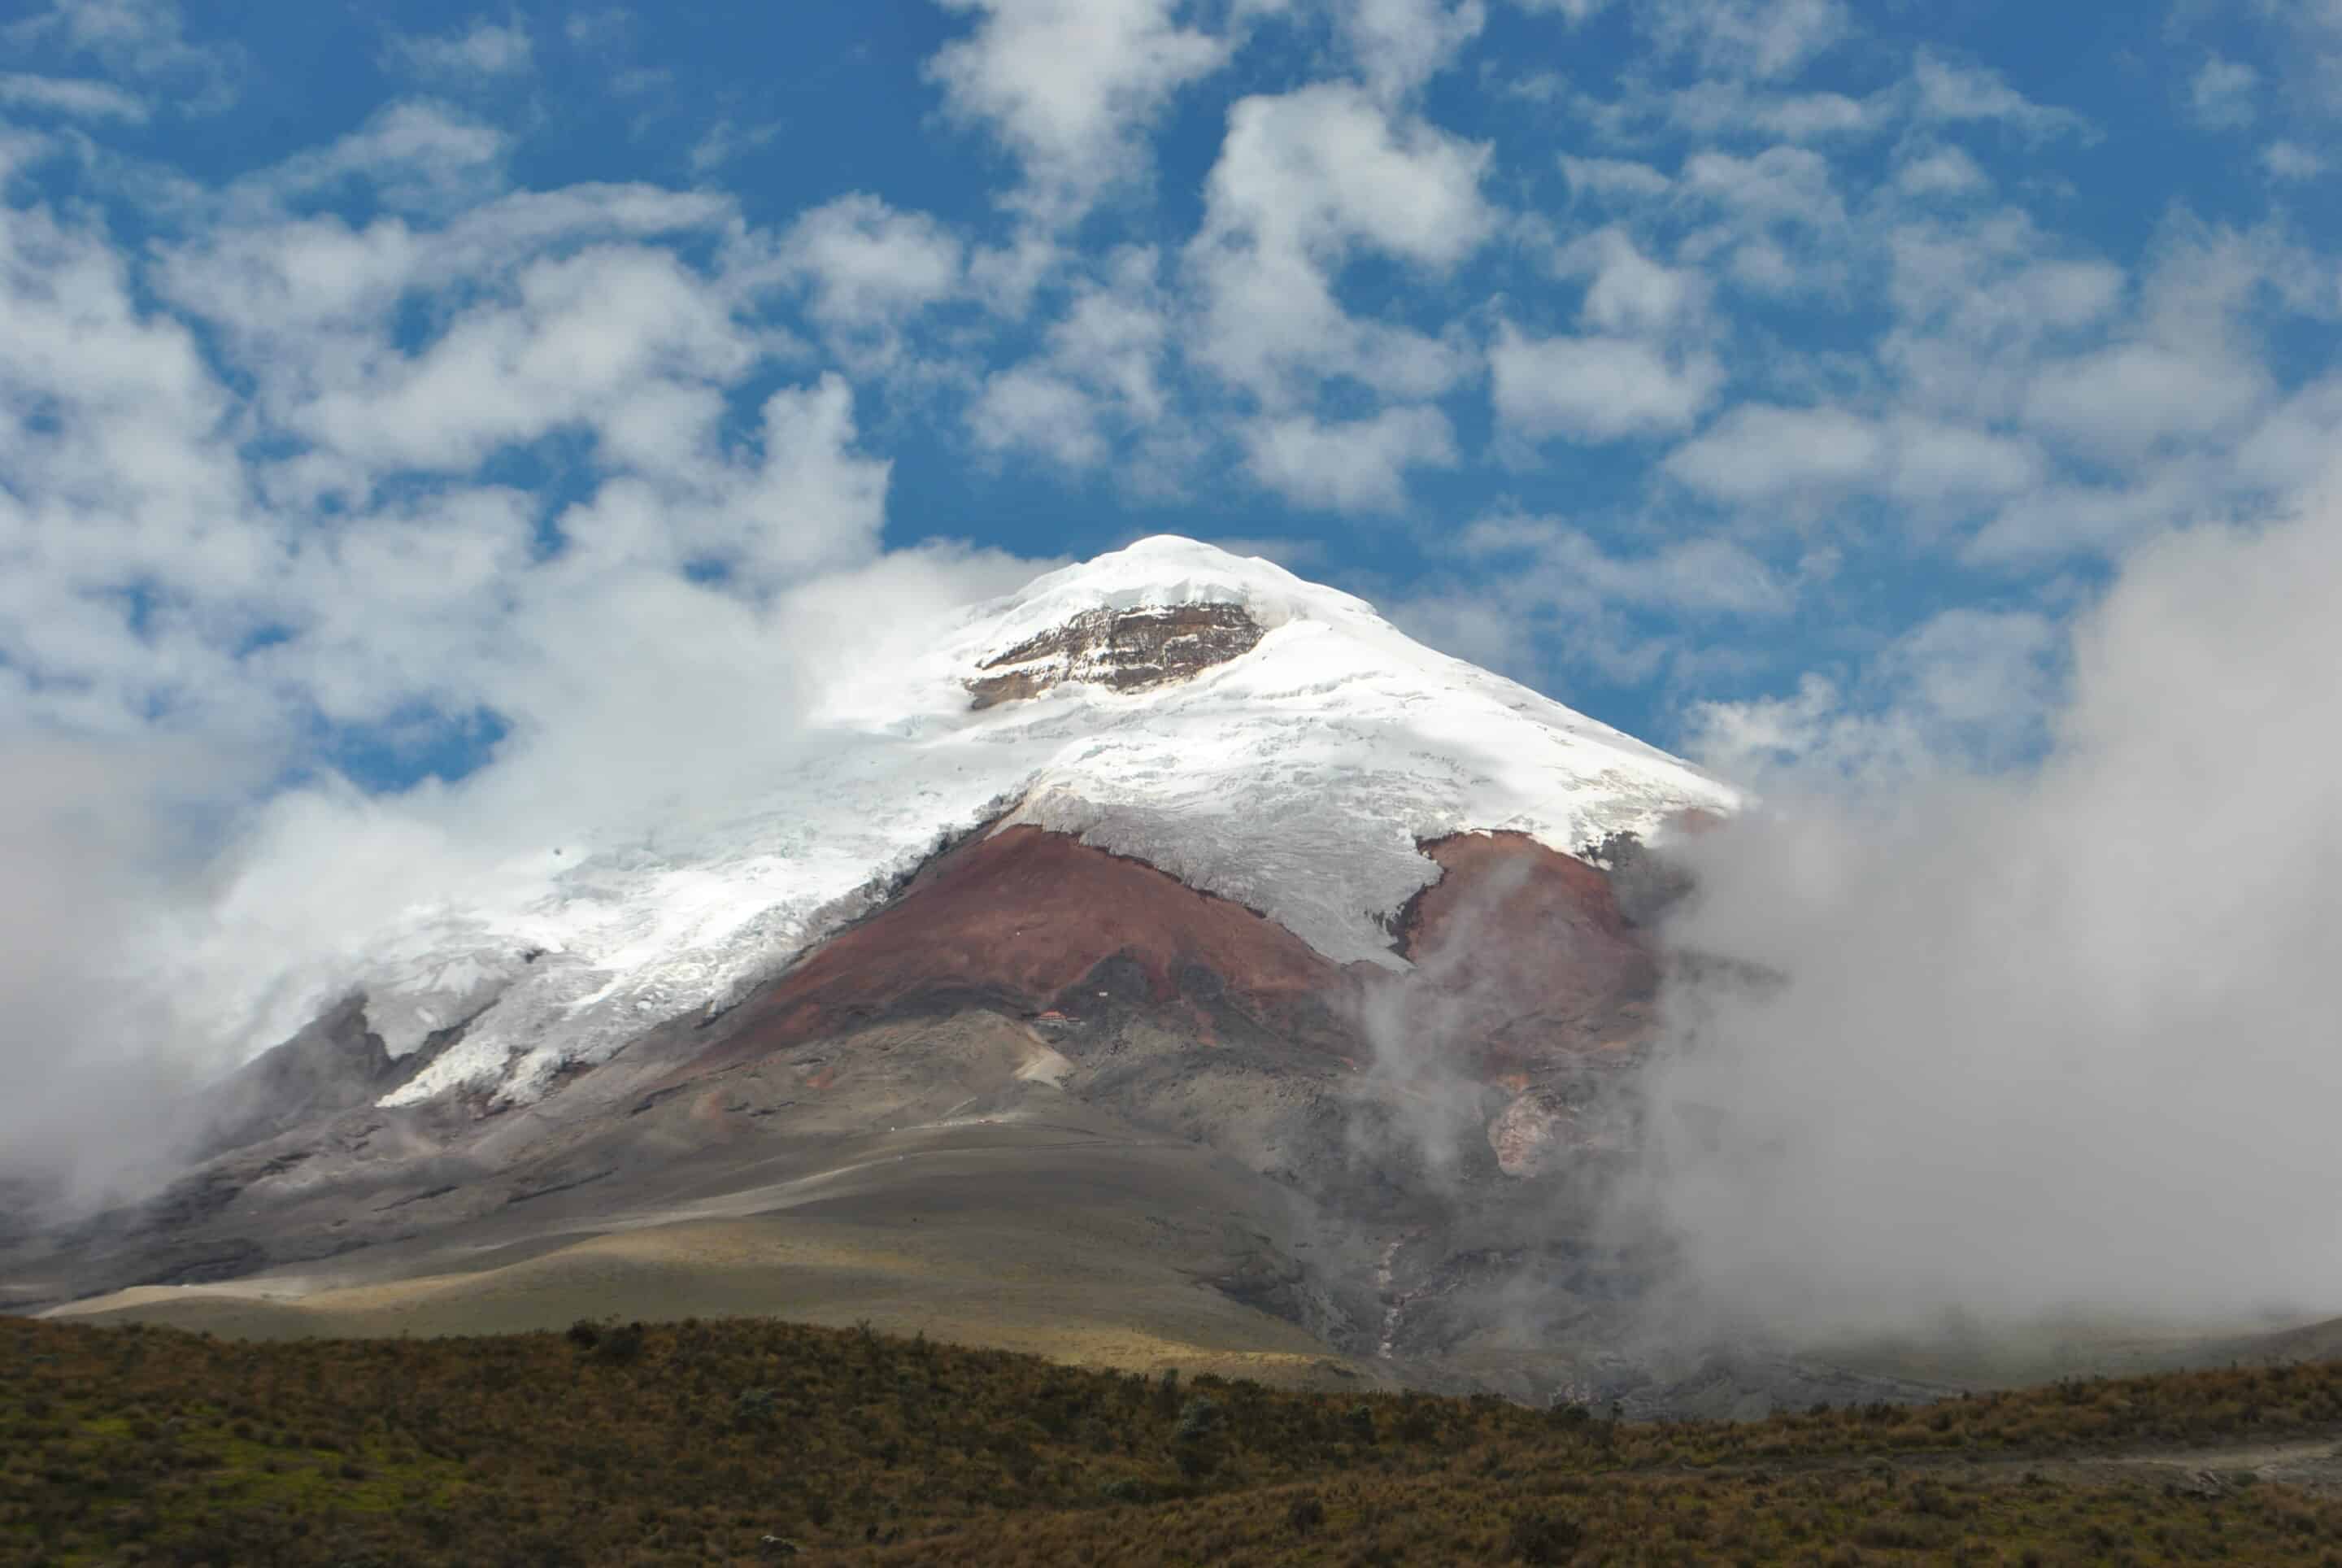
x: 170, y: 909
x: 101, y: 858
x: 2057, y: 1039
x: 1430, y: 1112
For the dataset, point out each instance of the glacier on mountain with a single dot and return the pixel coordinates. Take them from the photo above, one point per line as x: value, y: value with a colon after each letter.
x: 1296, y: 778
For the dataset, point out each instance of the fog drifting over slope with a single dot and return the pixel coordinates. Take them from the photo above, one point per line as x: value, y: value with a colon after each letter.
x: 93, y: 840
x: 165, y: 927
x: 2062, y: 1038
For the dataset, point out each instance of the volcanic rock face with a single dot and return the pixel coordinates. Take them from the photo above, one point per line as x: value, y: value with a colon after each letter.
x: 1529, y: 1135
x: 1523, y: 967
x: 1122, y: 649
x: 333, y: 1065
x: 1528, y: 952
x: 1022, y: 921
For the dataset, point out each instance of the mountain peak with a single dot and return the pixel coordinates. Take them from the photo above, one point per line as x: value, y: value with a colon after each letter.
x: 1157, y: 572
x: 1261, y: 737
x: 1172, y: 545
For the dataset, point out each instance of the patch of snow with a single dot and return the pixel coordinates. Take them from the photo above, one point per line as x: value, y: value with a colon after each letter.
x: 1294, y: 778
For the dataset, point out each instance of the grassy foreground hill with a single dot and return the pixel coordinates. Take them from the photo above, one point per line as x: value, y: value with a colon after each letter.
x: 744, y: 1441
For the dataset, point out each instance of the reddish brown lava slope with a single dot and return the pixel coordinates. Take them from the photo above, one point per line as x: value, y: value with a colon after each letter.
x: 1521, y: 953
x: 1016, y: 919
x: 1531, y: 944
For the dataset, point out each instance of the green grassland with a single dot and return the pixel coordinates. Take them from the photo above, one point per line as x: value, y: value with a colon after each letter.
x: 696, y: 1442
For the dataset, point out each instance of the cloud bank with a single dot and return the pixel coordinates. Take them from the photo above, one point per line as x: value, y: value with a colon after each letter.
x: 2050, y: 1040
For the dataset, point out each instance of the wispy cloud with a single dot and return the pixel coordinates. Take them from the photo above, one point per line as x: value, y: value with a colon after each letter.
x: 71, y: 96
x: 144, y: 41
x: 483, y: 50
x: 1348, y: 465
x: 2222, y: 95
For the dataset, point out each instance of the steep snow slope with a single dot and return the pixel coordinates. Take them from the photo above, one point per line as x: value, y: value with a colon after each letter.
x: 1295, y: 777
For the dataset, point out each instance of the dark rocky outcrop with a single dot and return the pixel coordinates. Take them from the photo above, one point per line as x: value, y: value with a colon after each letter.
x: 1124, y: 649
x: 337, y: 1064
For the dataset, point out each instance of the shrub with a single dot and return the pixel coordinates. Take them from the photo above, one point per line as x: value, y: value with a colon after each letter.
x: 506, y: 1448
x: 1196, y: 1447
x: 620, y: 1346
x: 1543, y: 1537
x: 1199, y: 1419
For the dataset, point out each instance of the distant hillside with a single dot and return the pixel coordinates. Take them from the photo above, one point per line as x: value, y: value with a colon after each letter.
x: 744, y: 1441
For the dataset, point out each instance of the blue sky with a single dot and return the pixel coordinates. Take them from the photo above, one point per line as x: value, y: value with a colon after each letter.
x: 386, y: 388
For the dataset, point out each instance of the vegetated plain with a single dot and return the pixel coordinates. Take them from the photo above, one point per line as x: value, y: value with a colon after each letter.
x: 748, y: 1440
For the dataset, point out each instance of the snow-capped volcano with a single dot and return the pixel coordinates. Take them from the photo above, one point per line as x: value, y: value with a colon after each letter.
x: 1259, y: 737
x: 1171, y: 922
x: 1169, y: 960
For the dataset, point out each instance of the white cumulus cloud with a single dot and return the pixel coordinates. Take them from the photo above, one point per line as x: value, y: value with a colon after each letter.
x: 1302, y: 181
x: 1070, y: 86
